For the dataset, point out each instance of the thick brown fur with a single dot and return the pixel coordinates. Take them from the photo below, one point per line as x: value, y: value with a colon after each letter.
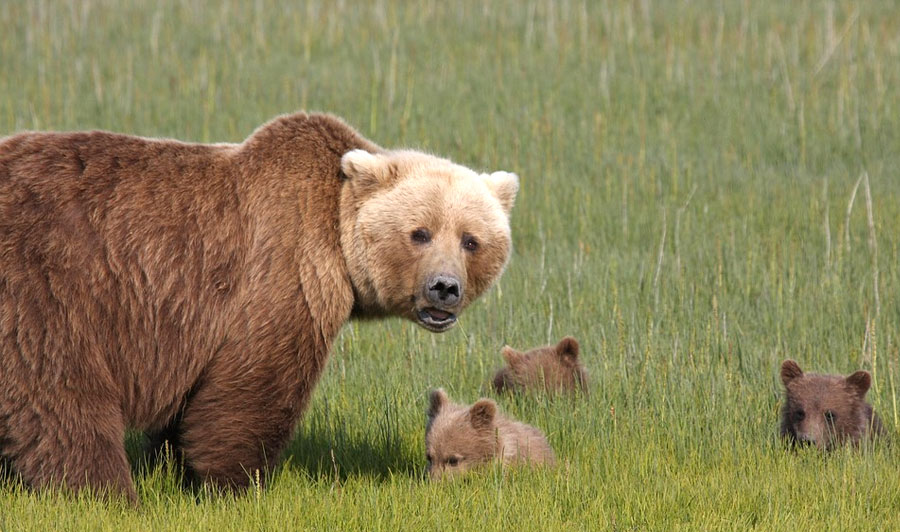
x: 459, y: 438
x: 549, y: 369
x: 186, y: 289
x: 826, y: 410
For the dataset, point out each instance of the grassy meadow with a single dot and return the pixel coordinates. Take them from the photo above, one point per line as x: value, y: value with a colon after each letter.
x: 707, y: 188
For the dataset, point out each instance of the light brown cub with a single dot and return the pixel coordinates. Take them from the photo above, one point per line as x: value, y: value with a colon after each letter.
x: 458, y: 437
x: 553, y: 368
x: 826, y: 410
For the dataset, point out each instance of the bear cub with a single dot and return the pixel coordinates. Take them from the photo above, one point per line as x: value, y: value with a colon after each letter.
x: 826, y: 410
x: 553, y: 368
x: 458, y: 437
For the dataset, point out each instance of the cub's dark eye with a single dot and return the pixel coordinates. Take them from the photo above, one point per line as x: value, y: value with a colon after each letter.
x: 421, y: 236
x: 799, y: 415
x: 428, y: 457
x: 469, y: 243
x: 830, y: 416
x: 453, y: 461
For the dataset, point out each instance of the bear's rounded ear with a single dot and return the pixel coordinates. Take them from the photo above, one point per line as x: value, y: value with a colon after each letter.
x: 510, y: 355
x: 481, y: 414
x: 567, y: 349
x: 436, y: 401
x: 367, y: 171
x: 790, y: 370
x: 859, y: 382
x: 356, y: 163
x: 504, y: 185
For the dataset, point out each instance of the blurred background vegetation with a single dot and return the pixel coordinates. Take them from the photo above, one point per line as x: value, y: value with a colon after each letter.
x: 707, y: 188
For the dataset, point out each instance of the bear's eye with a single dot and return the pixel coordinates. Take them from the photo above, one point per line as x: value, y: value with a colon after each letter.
x: 421, y: 236
x: 469, y: 243
x: 799, y: 415
x: 830, y: 416
x: 453, y: 461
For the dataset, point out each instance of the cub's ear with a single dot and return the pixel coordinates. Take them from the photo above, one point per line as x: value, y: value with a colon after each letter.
x: 481, y: 414
x: 511, y: 356
x: 368, y: 172
x: 567, y: 349
x: 859, y: 382
x: 436, y: 401
x: 790, y: 370
x: 504, y: 185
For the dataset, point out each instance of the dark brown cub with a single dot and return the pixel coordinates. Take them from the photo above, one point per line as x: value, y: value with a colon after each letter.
x: 826, y: 410
x: 552, y: 369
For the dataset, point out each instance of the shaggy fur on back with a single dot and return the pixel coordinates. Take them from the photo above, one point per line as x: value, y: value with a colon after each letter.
x: 141, y: 278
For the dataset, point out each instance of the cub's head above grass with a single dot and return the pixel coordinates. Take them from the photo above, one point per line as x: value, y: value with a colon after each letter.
x: 826, y: 410
x: 422, y: 236
x: 553, y: 368
x: 458, y: 437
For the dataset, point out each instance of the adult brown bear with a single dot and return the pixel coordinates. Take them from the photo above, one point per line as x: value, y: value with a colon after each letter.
x: 196, y: 289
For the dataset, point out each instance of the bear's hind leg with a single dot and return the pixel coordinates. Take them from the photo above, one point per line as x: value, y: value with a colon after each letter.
x: 228, y: 439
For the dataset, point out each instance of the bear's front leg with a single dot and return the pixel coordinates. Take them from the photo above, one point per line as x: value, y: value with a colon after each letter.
x: 236, y: 426
x: 75, y: 442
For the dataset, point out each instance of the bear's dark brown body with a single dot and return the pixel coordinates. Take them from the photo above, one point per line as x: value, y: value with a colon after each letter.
x: 144, y: 281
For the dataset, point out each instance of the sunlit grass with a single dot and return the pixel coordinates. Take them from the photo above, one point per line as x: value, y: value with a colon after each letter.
x: 691, y: 210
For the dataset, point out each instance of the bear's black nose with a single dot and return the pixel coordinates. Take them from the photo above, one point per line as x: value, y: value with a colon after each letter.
x: 443, y: 290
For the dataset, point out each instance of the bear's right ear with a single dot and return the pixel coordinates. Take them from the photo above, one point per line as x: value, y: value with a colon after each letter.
x: 504, y: 185
x: 859, y: 382
x: 481, y: 414
x: 436, y: 400
x: 790, y: 370
x: 567, y: 350
x: 368, y: 172
x: 511, y: 356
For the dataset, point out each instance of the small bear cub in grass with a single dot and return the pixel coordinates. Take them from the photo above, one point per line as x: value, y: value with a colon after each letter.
x: 553, y: 368
x: 826, y: 410
x: 458, y: 437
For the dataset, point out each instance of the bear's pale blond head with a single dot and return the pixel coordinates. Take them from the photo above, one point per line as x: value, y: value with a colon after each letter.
x: 422, y: 236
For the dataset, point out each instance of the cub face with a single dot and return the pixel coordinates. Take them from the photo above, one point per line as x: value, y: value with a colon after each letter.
x: 423, y: 237
x: 458, y: 438
x: 824, y: 410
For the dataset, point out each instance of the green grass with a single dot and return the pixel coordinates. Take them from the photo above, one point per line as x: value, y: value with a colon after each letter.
x: 687, y: 171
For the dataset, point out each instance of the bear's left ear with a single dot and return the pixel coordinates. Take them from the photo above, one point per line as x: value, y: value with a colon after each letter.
x: 368, y: 172
x: 859, y: 382
x: 504, y: 185
x: 436, y: 401
x: 567, y: 349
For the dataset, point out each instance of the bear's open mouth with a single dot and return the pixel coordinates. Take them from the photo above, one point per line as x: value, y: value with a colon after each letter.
x: 436, y: 320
